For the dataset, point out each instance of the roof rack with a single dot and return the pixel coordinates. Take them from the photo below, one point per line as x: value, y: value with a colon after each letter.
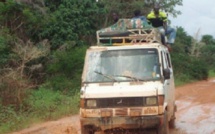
x: 127, y: 32
x: 128, y: 37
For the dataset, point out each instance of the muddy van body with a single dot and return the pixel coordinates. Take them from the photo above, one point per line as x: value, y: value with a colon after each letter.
x: 127, y: 85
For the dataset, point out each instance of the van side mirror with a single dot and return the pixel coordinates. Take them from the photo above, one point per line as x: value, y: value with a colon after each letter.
x: 166, y: 73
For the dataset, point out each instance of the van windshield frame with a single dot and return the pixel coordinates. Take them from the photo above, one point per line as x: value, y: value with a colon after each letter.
x: 123, y: 65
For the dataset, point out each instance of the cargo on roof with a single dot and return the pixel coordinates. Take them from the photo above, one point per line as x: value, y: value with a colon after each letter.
x: 127, y: 32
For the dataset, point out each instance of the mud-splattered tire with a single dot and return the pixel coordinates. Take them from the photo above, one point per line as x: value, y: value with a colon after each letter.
x: 172, y: 122
x: 164, y: 128
x: 85, y: 130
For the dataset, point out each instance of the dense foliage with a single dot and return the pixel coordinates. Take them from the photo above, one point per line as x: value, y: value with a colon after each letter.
x: 71, y: 22
x: 42, y: 49
x: 189, y: 58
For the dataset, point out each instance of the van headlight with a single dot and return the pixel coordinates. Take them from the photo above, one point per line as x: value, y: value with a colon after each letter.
x: 91, y: 103
x: 151, y: 101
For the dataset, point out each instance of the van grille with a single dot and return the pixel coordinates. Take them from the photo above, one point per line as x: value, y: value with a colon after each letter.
x: 120, y: 102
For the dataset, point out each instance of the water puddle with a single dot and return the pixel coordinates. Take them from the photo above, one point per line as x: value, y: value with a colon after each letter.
x: 196, y: 119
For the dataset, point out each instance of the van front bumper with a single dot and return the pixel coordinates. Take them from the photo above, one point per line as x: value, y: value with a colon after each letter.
x: 104, y: 123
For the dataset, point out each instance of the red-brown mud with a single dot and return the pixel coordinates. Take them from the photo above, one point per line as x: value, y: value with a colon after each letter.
x: 195, y: 114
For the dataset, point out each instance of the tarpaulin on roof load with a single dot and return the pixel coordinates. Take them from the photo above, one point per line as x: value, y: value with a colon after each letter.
x: 125, y: 24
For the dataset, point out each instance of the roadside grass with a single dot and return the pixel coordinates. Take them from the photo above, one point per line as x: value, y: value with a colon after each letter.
x: 211, y: 73
x: 42, y: 105
x: 183, y: 79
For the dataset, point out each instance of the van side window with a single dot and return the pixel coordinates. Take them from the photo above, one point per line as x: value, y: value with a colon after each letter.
x: 168, y: 60
x: 164, y: 60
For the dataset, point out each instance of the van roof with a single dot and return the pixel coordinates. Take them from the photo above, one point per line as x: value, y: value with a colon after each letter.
x: 134, y: 46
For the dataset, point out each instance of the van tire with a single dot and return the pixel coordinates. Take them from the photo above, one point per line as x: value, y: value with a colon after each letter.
x: 172, y: 120
x: 86, y: 130
x: 172, y: 123
x: 164, y: 128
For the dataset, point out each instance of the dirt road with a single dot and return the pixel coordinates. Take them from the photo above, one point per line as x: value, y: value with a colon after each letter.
x: 196, y: 108
x: 195, y: 115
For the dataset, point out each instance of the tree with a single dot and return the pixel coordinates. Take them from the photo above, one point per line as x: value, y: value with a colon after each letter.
x: 183, y: 42
x: 20, y: 20
x: 71, y: 22
x: 208, y: 40
x: 4, y: 51
x: 130, y: 5
x: 207, y: 51
x: 14, y: 80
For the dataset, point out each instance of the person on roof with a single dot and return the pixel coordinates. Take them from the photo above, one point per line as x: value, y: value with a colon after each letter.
x: 139, y: 21
x: 158, y: 19
x: 115, y: 16
x: 137, y: 15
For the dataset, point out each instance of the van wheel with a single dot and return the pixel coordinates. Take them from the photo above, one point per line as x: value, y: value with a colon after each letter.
x: 164, y: 128
x: 172, y: 122
x: 86, y: 130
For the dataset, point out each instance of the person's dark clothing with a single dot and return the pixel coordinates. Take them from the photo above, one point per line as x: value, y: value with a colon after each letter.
x: 157, y: 21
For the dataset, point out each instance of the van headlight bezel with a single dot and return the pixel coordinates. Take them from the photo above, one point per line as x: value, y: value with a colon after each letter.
x: 91, y: 103
x: 151, y: 101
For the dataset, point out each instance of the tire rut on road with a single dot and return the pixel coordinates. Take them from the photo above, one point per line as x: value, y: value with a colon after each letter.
x: 195, y: 115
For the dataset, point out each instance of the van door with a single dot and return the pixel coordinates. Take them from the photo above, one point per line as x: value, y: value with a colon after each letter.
x: 168, y: 83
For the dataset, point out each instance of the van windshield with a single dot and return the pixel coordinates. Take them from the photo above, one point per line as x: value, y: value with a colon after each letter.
x: 122, y: 65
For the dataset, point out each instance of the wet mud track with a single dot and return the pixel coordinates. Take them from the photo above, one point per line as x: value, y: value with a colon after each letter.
x: 195, y: 114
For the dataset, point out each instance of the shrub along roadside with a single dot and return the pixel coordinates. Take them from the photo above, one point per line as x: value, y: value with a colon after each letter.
x: 211, y: 73
x: 65, y: 69
x: 57, y: 97
x: 188, y: 69
x: 54, y: 100
x: 45, y: 104
x: 42, y: 105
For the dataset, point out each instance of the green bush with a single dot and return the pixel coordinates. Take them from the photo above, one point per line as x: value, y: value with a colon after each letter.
x: 198, y: 69
x: 59, y: 82
x: 212, y: 73
x: 40, y: 105
x: 4, y: 51
x: 72, y: 20
x: 181, y: 79
x: 208, y: 55
x: 187, y: 67
x: 46, y: 103
x: 10, y: 119
x: 65, y: 69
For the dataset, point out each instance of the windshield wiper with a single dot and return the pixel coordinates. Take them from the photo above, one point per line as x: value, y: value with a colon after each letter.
x: 130, y: 77
x: 107, y: 76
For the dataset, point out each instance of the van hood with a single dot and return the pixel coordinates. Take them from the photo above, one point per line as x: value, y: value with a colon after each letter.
x: 125, y: 89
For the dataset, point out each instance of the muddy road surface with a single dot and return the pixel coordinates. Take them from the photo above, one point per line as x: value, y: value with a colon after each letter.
x: 195, y: 115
